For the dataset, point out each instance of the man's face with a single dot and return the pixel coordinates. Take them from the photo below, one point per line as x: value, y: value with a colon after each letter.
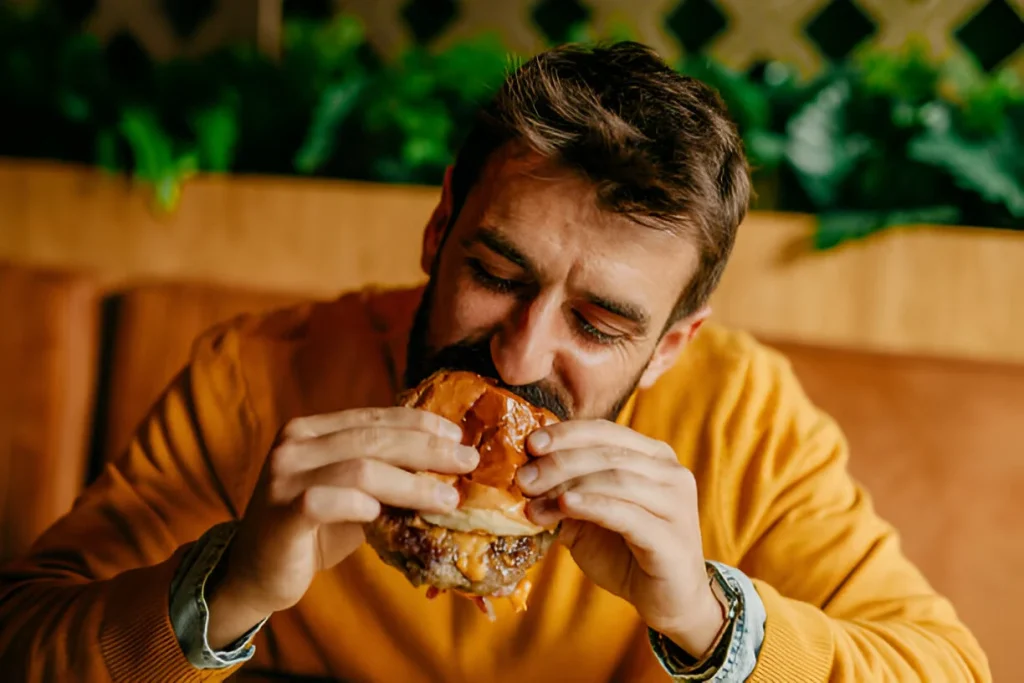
x: 560, y: 301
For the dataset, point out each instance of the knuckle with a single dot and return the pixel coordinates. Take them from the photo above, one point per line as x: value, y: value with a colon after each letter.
x: 617, y: 458
x: 686, y: 479
x: 361, y: 473
x: 374, y: 416
x: 281, y: 461
x: 552, y: 467
x: 294, y: 429
x: 441, y: 446
x: 305, y: 505
x: 422, y: 419
x: 620, y: 477
x: 370, y: 439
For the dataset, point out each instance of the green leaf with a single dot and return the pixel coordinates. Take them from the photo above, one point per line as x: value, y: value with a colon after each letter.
x: 106, y: 150
x: 991, y: 168
x: 474, y: 69
x: 909, y: 75
x: 819, y: 149
x: 747, y: 101
x: 216, y: 130
x: 837, y: 227
x: 765, y: 150
x: 149, y: 144
x: 334, y: 107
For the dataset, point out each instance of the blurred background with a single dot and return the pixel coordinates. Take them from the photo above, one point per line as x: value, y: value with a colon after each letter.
x: 167, y: 164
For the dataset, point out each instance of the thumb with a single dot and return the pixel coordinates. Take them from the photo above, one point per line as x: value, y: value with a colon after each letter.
x: 569, y: 532
x: 335, y: 542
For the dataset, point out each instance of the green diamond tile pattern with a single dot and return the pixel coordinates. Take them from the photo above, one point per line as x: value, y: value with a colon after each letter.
x: 428, y: 19
x: 695, y: 23
x: 186, y: 16
x: 994, y: 33
x: 840, y: 27
x: 556, y: 18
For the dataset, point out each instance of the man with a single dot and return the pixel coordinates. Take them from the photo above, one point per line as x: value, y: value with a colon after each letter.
x: 710, y: 530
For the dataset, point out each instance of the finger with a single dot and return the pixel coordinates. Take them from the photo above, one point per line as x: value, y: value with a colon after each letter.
x: 541, y: 475
x: 330, y: 504
x: 399, y: 417
x: 412, y: 449
x: 588, y: 433
x: 636, y: 525
x: 384, y: 483
x: 653, y: 495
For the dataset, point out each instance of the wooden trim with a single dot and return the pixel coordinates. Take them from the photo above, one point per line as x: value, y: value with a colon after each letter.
x: 952, y: 292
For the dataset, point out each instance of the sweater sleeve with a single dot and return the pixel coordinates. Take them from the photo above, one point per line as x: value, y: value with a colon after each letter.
x: 842, y: 601
x: 90, y: 601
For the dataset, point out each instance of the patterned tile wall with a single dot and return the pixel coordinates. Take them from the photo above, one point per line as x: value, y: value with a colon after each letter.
x: 740, y: 33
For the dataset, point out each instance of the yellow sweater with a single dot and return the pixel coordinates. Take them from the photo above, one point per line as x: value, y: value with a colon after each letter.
x: 776, y: 501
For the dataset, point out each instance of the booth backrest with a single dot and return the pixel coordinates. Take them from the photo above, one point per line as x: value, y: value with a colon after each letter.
x: 47, y: 360
x: 939, y: 445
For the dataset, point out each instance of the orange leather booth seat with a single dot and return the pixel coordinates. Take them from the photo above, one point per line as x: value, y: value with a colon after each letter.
x: 156, y: 325
x: 939, y: 445
x: 47, y: 359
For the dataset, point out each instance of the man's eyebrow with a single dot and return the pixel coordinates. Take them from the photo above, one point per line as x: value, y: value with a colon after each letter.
x: 493, y: 239
x: 498, y: 243
x: 622, y: 309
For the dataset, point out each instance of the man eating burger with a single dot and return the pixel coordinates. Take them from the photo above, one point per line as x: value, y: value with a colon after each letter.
x: 588, y: 482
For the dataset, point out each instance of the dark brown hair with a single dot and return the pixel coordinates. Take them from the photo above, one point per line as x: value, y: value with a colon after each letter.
x: 658, y: 146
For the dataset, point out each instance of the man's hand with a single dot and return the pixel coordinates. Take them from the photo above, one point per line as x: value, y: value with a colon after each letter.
x: 326, y: 476
x: 629, y: 518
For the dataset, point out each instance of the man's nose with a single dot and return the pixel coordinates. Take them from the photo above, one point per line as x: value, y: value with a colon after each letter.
x: 524, y: 349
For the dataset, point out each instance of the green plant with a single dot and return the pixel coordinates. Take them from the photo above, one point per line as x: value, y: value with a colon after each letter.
x: 890, y: 138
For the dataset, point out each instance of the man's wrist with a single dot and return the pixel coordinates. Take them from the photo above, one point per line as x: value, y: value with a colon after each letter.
x: 230, y: 615
x: 734, y: 654
x: 190, y: 612
x: 698, y: 637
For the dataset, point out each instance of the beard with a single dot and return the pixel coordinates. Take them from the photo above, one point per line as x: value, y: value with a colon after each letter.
x: 474, y: 355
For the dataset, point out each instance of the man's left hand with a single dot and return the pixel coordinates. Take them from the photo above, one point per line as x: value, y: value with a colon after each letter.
x: 629, y: 517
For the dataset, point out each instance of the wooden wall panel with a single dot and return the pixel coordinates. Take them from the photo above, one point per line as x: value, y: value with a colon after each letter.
x: 932, y: 291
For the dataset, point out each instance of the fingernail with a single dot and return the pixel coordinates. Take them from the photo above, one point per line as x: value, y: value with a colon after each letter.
x: 570, y: 498
x: 447, y: 496
x: 527, y: 474
x: 467, y: 456
x: 539, y: 441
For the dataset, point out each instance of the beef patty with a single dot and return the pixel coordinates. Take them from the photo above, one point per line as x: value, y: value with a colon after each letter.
x: 477, y: 564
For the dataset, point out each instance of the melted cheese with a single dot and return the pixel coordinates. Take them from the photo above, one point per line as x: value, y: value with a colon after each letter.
x: 471, y: 557
x: 520, y: 595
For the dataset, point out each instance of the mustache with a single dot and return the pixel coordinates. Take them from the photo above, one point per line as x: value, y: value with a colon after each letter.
x: 475, y: 356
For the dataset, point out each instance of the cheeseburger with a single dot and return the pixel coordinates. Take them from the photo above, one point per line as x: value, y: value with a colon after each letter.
x: 483, y: 548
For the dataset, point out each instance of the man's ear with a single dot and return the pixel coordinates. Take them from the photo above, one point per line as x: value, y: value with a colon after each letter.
x: 671, y: 345
x: 433, y: 234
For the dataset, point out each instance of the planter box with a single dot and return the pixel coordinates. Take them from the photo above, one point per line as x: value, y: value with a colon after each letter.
x: 951, y: 292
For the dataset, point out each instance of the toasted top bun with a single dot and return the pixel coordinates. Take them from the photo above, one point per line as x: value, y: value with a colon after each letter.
x: 496, y: 422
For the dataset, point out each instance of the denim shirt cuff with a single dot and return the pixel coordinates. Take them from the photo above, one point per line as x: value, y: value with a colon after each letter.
x: 736, y: 655
x: 190, y: 616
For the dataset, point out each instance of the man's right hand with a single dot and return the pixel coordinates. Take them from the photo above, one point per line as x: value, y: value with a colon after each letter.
x: 326, y: 476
